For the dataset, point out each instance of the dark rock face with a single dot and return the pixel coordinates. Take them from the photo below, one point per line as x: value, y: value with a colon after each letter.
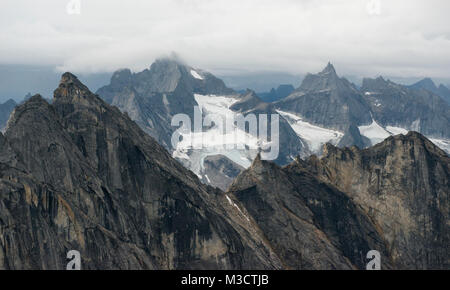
x: 310, y: 224
x: 290, y: 144
x: 396, y: 105
x: 248, y: 101
x: 444, y: 92
x: 403, y: 186
x: 152, y: 97
x: 5, y: 110
x: 429, y: 85
x: 279, y: 93
x: 80, y: 175
x: 221, y: 171
x: 325, y: 99
x: 352, y: 137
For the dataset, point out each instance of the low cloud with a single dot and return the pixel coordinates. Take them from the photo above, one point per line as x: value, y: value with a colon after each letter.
x: 361, y: 37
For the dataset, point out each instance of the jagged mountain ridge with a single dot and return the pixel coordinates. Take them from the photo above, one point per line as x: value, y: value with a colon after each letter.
x: 327, y: 100
x: 396, y: 105
x: 397, y: 193
x: 403, y: 184
x: 79, y: 174
x: 5, y: 110
x: 152, y: 97
x: 325, y: 108
x: 429, y: 85
x: 309, y: 223
x: 279, y: 93
x: 370, y: 114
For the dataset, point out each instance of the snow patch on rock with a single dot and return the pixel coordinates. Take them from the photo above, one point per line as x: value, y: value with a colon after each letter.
x: 313, y: 135
x: 196, y: 75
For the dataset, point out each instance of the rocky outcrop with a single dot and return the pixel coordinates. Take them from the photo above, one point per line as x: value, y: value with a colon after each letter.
x: 403, y: 185
x: 221, y: 171
x: 418, y: 110
x: 279, y: 93
x: 5, y: 110
x: 309, y: 223
x: 429, y: 85
x: 152, y: 97
x: 80, y: 175
x: 327, y: 100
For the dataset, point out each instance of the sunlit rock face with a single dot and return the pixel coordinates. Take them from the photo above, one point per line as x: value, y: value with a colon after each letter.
x: 403, y: 186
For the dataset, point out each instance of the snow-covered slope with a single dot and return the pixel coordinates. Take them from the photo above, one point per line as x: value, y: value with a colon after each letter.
x: 196, y: 75
x: 238, y: 146
x: 313, y: 135
x: 442, y: 143
x: 376, y: 134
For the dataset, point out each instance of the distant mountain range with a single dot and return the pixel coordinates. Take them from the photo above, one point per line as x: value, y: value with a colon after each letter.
x: 428, y: 85
x: 279, y: 93
x: 79, y: 174
x: 325, y: 108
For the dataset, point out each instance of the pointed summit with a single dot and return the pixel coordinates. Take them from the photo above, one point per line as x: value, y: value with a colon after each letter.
x: 326, y: 79
x: 248, y: 101
x: 69, y: 87
x: 328, y: 69
x: 426, y: 84
x: 71, y: 95
x: 369, y: 84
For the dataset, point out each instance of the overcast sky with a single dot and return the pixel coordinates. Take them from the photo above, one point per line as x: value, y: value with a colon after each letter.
x: 402, y: 38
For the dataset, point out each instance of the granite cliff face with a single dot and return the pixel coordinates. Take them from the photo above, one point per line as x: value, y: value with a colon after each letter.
x: 309, y: 223
x: 80, y: 175
x: 429, y: 85
x: 326, y: 99
x: 290, y: 144
x: 403, y: 185
x: 279, y: 93
x: 418, y: 110
x: 327, y: 213
x: 5, y: 110
x: 152, y: 97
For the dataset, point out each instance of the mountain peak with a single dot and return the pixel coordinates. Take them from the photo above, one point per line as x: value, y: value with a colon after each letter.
x: 172, y: 60
x: 69, y: 80
x: 249, y: 100
x: 427, y: 84
x: 369, y: 84
x: 121, y: 77
x: 72, y: 90
x: 328, y: 69
x: 326, y: 79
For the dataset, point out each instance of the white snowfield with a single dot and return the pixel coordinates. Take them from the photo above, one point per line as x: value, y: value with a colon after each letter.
x: 377, y: 134
x: 442, y: 143
x: 374, y: 132
x: 313, y: 135
x: 238, y: 146
x: 243, y: 147
x: 196, y: 75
